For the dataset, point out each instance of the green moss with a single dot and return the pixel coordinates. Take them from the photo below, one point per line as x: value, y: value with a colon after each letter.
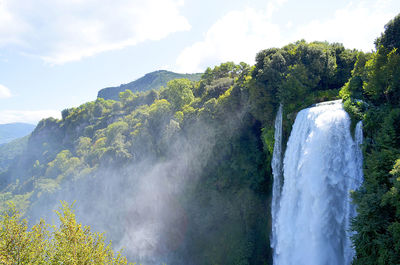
x: 267, y: 135
x: 355, y: 109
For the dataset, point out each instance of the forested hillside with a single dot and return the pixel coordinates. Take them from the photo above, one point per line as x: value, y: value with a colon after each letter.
x: 153, y: 80
x: 182, y: 174
x: 11, y: 150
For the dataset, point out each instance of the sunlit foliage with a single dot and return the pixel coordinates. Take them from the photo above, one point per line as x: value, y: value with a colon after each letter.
x: 69, y: 243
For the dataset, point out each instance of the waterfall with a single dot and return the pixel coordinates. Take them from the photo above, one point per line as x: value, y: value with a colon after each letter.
x: 353, y: 185
x: 276, y: 165
x: 322, y: 164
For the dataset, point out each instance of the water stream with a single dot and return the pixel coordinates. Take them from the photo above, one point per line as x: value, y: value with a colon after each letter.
x: 322, y: 164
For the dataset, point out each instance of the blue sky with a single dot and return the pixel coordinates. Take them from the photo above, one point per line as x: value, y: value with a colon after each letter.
x: 56, y: 54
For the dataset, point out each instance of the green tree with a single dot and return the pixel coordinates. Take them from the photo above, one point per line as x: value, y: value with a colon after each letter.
x: 178, y: 92
x: 383, y: 84
x: 17, y: 244
x: 70, y: 243
x: 74, y: 243
x: 390, y: 38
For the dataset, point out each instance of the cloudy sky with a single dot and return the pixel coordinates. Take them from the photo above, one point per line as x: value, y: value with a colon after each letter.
x: 56, y: 54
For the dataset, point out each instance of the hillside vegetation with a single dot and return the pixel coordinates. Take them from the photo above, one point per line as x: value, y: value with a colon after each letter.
x: 10, y: 151
x: 153, y: 80
x: 376, y: 81
x: 70, y: 243
x: 182, y: 174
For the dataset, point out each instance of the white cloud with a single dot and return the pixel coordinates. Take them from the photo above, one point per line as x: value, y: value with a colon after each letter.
x: 59, y: 31
x: 239, y: 35
x: 356, y: 25
x: 4, y: 92
x: 27, y: 116
x: 273, y: 6
x: 235, y: 37
x: 10, y: 26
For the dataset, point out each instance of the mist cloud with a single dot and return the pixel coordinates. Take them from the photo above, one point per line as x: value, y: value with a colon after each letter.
x: 142, y: 207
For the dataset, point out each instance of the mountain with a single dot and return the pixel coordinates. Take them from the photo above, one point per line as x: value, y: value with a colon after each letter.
x: 9, y: 151
x: 153, y: 80
x: 11, y: 131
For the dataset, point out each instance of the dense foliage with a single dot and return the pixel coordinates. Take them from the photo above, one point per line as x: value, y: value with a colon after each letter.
x: 11, y: 150
x: 376, y: 81
x: 153, y: 80
x: 69, y: 243
x: 202, y: 150
x: 298, y: 75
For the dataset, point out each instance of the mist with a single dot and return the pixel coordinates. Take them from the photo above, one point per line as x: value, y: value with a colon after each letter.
x: 147, y: 207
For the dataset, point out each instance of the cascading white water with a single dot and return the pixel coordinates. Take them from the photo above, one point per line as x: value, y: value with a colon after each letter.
x: 322, y: 164
x: 276, y: 165
x: 351, y: 210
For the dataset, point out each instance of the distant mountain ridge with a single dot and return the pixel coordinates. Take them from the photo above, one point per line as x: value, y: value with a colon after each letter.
x: 153, y: 80
x: 11, y: 150
x: 12, y: 131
